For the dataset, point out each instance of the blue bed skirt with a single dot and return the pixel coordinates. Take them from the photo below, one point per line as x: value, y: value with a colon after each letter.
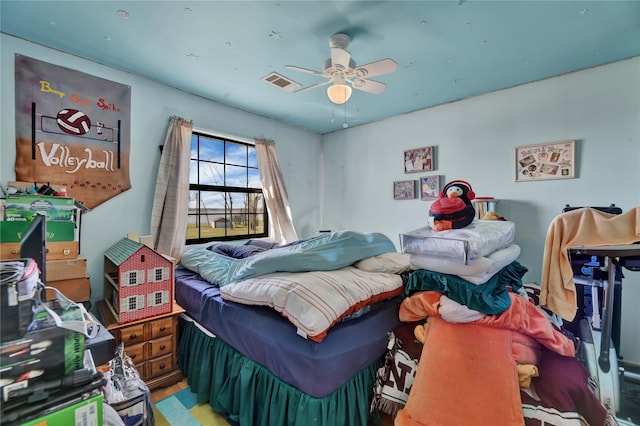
x: 245, y: 392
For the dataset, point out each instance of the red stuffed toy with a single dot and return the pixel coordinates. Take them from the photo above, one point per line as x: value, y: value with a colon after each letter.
x: 453, y: 208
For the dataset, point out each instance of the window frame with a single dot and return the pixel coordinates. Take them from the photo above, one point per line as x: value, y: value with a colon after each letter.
x: 228, y: 215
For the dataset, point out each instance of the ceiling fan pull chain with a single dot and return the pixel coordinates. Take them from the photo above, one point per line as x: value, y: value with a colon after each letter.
x: 345, y: 124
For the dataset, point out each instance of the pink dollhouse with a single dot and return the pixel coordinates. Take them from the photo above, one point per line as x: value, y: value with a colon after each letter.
x: 138, y: 281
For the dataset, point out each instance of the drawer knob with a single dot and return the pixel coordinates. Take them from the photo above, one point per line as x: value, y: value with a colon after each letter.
x: 162, y: 347
x: 133, y: 336
x: 163, y: 328
x: 133, y: 356
x: 162, y: 366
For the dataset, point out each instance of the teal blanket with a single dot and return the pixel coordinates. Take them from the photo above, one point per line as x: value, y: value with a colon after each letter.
x: 490, y: 298
x: 323, y: 253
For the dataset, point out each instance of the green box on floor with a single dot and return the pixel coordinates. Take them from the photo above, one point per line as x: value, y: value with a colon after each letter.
x: 22, y: 208
x: 11, y: 232
x: 87, y: 412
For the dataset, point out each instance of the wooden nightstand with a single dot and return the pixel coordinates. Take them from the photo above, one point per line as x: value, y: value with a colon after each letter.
x: 152, y: 344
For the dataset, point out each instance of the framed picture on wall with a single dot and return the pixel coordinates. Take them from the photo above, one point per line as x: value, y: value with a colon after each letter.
x: 429, y: 187
x: 418, y: 160
x: 555, y: 160
x: 404, y: 190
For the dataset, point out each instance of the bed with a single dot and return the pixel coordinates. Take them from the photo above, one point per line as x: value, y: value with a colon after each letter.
x: 258, y: 359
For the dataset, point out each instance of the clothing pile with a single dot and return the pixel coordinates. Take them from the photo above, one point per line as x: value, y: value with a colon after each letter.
x: 473, y: 266
x: 490, y: 355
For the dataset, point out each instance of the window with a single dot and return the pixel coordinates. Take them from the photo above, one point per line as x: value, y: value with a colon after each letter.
x: 131, y: 303
x: 131, y: 278
x: 158, y: 274
x: 225, y: 195
x: 158, y: 298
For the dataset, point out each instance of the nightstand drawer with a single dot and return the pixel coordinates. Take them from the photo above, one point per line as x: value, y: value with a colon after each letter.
x: 159, y: 347
x: 159, y: 366
x: 161, y: 327
x: 132, y: 335
x: 152, y: 343
x: 136, y: 353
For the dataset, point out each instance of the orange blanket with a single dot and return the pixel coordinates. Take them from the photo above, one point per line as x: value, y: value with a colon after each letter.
x: 588, y: 227
x: 467, y: 372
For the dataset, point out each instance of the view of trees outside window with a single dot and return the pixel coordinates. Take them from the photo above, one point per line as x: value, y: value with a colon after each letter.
x: 225, y: 200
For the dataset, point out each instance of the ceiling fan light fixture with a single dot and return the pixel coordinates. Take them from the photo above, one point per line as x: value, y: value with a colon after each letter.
x: 339, y: 93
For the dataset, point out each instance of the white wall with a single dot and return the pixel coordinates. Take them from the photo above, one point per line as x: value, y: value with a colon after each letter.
x: 152, y: 105
x: 474, y: 140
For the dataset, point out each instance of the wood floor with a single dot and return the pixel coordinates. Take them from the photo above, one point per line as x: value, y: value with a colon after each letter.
x: 161, y: 393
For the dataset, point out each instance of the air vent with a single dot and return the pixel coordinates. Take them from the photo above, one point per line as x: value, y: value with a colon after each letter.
x: 281, y: 82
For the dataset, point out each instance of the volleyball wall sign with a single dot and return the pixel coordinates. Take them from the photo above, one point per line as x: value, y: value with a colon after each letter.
x: 81, y: 143
x: 73, y: 122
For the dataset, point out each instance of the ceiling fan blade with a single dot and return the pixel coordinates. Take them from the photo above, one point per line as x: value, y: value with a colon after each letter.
x: 304, y: 89
x: 308, y: 71
x: 369, y: 86
x: 340, y: 58
x: 384, y: 66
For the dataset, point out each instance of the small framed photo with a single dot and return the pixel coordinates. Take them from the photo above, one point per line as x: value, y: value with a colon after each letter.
x: 429, y: 187
x: 404, y: 190
x: 418, y: 160
x: 555, y: 160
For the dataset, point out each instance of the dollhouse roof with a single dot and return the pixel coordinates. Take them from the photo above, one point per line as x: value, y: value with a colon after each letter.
x: 122, y: 250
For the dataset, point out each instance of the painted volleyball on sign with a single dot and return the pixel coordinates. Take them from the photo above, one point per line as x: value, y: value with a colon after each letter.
x: 73, y: 122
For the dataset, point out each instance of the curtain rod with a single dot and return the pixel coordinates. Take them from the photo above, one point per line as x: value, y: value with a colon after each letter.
x: 204, y: 129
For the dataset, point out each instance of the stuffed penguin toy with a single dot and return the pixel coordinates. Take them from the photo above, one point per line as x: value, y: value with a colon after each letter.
x: 453, y: 208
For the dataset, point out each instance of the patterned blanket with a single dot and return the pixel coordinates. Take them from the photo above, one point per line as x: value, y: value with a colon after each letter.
x: 395, y: 377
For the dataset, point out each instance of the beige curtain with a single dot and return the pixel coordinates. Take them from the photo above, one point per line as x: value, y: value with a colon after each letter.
x: 171, y: 200
x: 275, y: 193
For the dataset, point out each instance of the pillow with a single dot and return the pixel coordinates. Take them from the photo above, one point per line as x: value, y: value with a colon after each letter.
x: 314, y: 301
x: 478, y: 272
x: 391, y: 263
x: 479, y: 239
x: 234, y: 250
x: 265, y: 244
x: 499, y: 259
x: 445, y: 265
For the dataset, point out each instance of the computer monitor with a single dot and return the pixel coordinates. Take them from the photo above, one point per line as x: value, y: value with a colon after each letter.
x: 33, y: 244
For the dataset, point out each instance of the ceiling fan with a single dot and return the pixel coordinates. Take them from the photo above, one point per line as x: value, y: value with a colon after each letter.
x: 341, y: 69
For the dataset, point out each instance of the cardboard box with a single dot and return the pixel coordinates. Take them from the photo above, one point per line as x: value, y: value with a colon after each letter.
x: 87, y: 412
x: 76, y: 289
x: 46, y: 352
x: 11, y: 232
x: 63, y: 250
x: 55, y: 250
x: 21, y: 208
x: 66, y: 269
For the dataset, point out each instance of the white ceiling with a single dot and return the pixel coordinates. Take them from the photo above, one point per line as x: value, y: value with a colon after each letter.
x: 445, y: 50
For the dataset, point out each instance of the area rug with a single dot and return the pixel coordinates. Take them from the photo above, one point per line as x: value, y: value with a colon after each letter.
x: 181, y: 409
